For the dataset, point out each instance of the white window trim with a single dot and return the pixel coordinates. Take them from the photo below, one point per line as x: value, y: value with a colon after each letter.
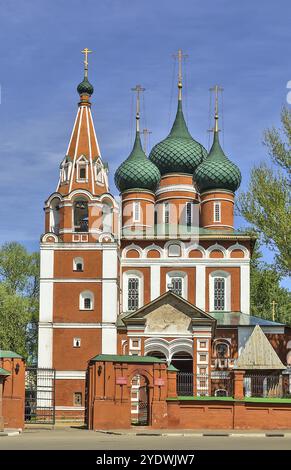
x: 84, y: 295
x: 215, y: 205
x: 135, y: 348
x: 172, y: 274
x: 174, y: 256
x: 76, y: 261
x: 227, y: 277
x: 75, y: 342
x: 136, y: 211
x: 82, y: 162
x: 127, y: 275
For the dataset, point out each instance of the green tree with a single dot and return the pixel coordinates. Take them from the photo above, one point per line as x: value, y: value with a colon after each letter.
x: 265, y: 288
x: 19, y: 287
x: 266, y: 203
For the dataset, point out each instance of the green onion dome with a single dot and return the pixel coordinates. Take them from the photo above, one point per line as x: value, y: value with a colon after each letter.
x: 85, y: 87
x: 137, y: 171
x: 179, y: 152
x: 217, y: 171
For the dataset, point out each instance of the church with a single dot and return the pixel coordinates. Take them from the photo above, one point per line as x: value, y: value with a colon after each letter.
x: 160, y: 271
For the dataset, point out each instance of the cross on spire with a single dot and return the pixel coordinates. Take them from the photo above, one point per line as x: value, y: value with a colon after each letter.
x: 86, y: 51
x: 138, y: 89
x: 180, y: 56
x: 216, y: 89
x: 146, y: 133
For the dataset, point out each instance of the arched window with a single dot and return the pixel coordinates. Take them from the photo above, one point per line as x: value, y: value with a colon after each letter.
x: 219, y: 291
x: 55, y: 216
x: 78, y: 264
x: 86, y: 301
x: 174, y: 250
x: 222, y: 350
x: 81, y: 215
x: 132, y: 291
x: 177, y: 283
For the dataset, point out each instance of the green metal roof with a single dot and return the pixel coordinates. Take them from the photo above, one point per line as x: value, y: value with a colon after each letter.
x: 137, y: 172
x: 217, y: 171
x: 241, y: 319
x: 4, y: 372
x: 179, y: 152
x: 4, y: 353
x: 85, y: 87
x: 125, y: 358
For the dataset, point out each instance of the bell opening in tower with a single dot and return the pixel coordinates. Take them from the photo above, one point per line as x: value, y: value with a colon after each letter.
x: 81, y: 216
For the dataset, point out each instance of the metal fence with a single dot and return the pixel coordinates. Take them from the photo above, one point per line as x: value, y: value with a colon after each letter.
x: 267, y: 386
x: 216, y: 384
x: 39, y: 396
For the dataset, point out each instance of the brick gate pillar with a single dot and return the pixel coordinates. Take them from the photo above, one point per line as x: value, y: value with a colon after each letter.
x: 238, y: 384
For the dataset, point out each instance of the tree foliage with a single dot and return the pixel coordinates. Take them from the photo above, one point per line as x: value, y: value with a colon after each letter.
x: 266, y: 203
x: 19, y: 288
x: 265, y: 288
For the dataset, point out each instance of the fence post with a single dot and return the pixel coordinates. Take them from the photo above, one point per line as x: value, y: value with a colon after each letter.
x: 172, y: 382
x: 238, y: 384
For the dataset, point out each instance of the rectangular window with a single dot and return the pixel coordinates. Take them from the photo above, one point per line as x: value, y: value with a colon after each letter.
x: 77, y: 342
x: 177, y: 285
x: 202, y: 344
x: 189, y: 207
x: 78, y: 399
x: 82, y: 172
x: 87, y: 303
x: 219, y: 293
x: 133, y: 293
x: 217, y: 212
x: 166, y: 213
x: 136, y: 211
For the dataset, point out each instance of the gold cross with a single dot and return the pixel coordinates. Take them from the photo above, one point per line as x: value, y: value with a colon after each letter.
x: 180, y: 56
x: 138, y: 89
x: 216, y: 89
x: 86, y: 51
x: 273, y: 303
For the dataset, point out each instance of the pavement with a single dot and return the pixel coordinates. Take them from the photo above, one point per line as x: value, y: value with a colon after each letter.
x: 76, y: 438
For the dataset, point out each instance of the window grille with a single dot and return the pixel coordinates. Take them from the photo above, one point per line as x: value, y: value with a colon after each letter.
x: 189, y: 214
x: 87, y: 303
x: 133, y: 293
x: 219, y: 293
x: 216, y: 212
x: 167, y: 213
x: 177, y: 285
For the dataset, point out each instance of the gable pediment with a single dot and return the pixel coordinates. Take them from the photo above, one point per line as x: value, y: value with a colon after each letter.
x: 167, y: 319
x: 169, y: 313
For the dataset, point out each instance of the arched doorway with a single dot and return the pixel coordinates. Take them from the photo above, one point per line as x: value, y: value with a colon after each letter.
x: 139, y: 400
x: 183, y: 361
x: 157, y: 354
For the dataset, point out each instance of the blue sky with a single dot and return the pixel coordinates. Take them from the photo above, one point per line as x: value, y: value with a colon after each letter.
x: 243, y: 46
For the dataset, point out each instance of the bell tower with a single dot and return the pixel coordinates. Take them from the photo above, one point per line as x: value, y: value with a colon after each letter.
x: 79, y: 263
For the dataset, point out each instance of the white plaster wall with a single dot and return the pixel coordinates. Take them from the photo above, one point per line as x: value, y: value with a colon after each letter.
x: 109, y: 340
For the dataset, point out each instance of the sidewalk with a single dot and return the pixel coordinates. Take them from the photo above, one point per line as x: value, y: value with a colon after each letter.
x: 143, y: 431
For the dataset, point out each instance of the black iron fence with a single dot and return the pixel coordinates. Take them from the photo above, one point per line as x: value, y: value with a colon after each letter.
x: 218, y: 384
x: 267, y: 386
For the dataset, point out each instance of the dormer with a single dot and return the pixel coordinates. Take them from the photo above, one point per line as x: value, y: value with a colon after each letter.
x: 82, y: 169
